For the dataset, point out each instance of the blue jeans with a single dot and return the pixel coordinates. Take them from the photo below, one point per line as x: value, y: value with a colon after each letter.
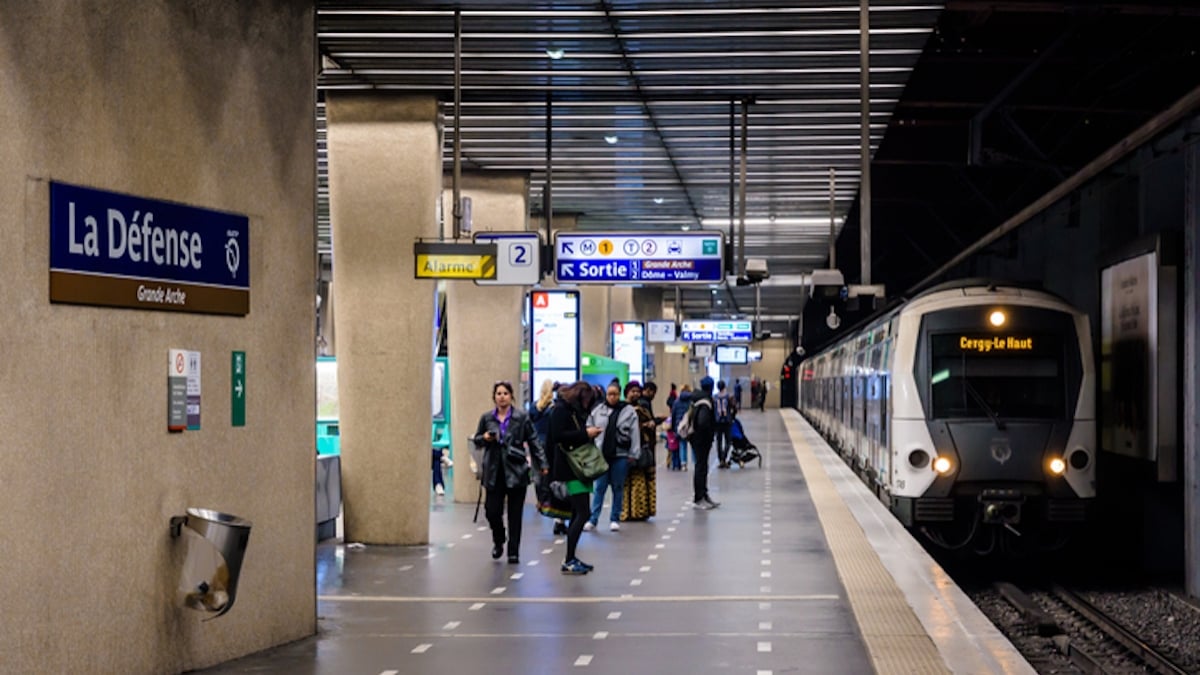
x: 615, y: 476
x: 682, y: 455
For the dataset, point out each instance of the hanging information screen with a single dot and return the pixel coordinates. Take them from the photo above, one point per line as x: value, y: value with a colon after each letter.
x: 629, y: 346
x: 554, y: 338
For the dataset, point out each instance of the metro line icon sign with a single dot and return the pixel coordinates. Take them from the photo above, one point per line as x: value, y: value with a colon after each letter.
x: 639, y: 258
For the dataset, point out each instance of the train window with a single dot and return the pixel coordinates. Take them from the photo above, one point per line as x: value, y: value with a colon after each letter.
x: 1000, y: 383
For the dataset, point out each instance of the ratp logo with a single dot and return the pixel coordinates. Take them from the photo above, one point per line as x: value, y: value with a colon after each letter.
x: 233, y: 254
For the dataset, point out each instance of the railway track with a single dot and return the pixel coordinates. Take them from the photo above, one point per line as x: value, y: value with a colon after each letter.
x: 1092, y: 640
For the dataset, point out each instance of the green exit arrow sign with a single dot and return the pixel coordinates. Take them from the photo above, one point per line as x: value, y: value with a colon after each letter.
x: 237, y: 393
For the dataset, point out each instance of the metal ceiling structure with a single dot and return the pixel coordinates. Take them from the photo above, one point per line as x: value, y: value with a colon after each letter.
x: 647, y: 101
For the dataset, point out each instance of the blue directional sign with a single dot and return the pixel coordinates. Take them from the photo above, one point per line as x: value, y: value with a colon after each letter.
x: 638, y: 258
x: 716, y: 330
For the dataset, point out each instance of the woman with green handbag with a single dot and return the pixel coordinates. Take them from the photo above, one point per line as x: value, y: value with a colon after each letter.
x: 568, y: 432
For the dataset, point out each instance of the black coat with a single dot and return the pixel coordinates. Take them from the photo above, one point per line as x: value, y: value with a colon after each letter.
x: 704, y: 421
x: 568, y: 430
x: 509, y: 451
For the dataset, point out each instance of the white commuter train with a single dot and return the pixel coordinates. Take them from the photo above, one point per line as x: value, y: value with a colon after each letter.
x: 970, y: 411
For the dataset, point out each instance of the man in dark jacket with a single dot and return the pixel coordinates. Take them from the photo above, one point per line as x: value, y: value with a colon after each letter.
x: 703, y: 430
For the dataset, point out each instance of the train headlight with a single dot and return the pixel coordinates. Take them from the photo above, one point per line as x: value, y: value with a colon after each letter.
x: 1057, y: 466
x: 997, y: 318
x: 942, y: 465
x: 1080, y: 459
x: 918, y: 459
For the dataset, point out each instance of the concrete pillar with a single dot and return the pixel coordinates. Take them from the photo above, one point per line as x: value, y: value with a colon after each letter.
x: 774, y: 353
x: 385, y: 177
x: 484, y: 322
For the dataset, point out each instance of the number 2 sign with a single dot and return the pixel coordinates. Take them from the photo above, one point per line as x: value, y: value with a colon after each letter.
x: 518, y: 258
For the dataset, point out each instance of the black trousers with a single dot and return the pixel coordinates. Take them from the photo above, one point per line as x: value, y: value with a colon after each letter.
x: 700, y: 476
x: 722, y: 440
x: 581, y: 511
x: 494, y: 506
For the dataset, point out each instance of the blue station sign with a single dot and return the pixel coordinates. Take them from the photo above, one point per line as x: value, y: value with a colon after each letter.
x: 118, y: 250
x: 630, y: 257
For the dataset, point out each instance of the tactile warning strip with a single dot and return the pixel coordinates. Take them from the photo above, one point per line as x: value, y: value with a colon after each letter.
x: 894, y: 636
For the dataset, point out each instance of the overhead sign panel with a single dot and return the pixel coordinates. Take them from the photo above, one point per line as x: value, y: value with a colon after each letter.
x: 118, y: 250
x: 661, y: 331
x: 629, y: 257
x: 716, y: 330
x: 455, y: 261
x: 518, y: 258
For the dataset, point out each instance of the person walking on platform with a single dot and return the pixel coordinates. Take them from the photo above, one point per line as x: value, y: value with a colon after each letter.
x: 504, y: 433
x: 703, y: 429
x: 679, y: 460
x: 723, y: 408
x: 640, y: 502
x: 568, y: 431
x: 621, y: 442
x: 671, y: 396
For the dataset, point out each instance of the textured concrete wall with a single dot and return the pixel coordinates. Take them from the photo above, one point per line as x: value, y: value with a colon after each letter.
x: 208, y: 104
x: 385, y: 179
x: 484, y: 322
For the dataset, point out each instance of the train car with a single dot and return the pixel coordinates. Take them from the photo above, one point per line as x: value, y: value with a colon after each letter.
x: 969, y: 410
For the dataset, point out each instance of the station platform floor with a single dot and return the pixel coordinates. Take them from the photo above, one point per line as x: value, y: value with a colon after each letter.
x: 800, y: 570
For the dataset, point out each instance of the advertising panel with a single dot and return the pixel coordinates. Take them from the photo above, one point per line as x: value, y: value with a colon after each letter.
x: 629, y: 346
x: 554, y: 337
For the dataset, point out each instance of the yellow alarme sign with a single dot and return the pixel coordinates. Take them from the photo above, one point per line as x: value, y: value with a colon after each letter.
x: 454, y: 260
x: 995, y: 344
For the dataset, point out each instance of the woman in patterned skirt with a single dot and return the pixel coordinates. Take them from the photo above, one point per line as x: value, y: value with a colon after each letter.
x: 640, y: 498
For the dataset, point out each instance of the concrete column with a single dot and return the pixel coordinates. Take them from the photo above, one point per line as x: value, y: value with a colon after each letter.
x: 594, y: 314
x: 774, y: 353
x: 484, y: 322
x: 385, y: 177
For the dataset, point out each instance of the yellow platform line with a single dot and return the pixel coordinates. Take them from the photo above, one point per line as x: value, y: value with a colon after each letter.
x: 894, y: 636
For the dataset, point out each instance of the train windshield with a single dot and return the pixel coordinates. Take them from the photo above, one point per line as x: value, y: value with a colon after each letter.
x: 998, y: 376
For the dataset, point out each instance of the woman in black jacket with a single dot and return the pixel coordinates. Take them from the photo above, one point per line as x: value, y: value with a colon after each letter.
x: 503, y: 433
x: 569, y: 430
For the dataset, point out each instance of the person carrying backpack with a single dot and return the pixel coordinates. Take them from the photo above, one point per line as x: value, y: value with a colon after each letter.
x: 723, y: 407
x: 700, y: 426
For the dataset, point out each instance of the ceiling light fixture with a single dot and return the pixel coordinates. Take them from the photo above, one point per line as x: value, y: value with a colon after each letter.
x: 555, y: 54
x: 611, y: 140
x: 659, y: 200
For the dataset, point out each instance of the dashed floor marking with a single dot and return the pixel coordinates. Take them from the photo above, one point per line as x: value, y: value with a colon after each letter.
x: 430, y: 556
x: 558, y: 541
x: 498, y: 590
x: 406, y: 568
x: 600, y: 635
x: 452, y: 625
x: 764, y: 605
x: 451, y: 545
x: 766, y: 563
x: 767, y: 518
x: 660, y: 546
x: 765, y: 672
x: 547, y: 551
x: 766, y: 540
x: 635, y: 582
x: 482, y: 528
x: 666, y: 537
x: 764, y: 646
x: 644, y: 568
x: 531, y: 563
x: 517, y: 575
x: 766, y: 550
x: 584, y: 660
x: 675, y: 522
x: 421, y: 648
x: 765, y: 575
x: 613, y: 616
x: 764, y: 625
x: 467, y: 536
x: 764, y: 589
x: 652, y: 556
x: 477, y: 606
x: 390, y: 672
x: 671, y: 529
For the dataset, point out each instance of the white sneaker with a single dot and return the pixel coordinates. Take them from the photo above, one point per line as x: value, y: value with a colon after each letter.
x: 438, y: 489
x: 614, y: 526
x: 588, y: 526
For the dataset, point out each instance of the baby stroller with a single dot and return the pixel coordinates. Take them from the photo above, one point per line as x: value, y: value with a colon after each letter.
x: 743, y: 450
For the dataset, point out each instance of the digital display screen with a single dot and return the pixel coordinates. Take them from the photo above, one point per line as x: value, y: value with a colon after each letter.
x: 629, y: 346
x: 998, y: 343
x: 732, y: 354
x: 554, y: 334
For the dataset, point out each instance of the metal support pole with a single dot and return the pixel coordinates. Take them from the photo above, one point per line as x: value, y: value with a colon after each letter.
x: 832, y: 218
x: 757, y: 309
x: 458, y: 210
x: 742, y: 189
x: 1191, y: 370
x: 864, y: 200
x: 732, y: 174
x: 548, y: 187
